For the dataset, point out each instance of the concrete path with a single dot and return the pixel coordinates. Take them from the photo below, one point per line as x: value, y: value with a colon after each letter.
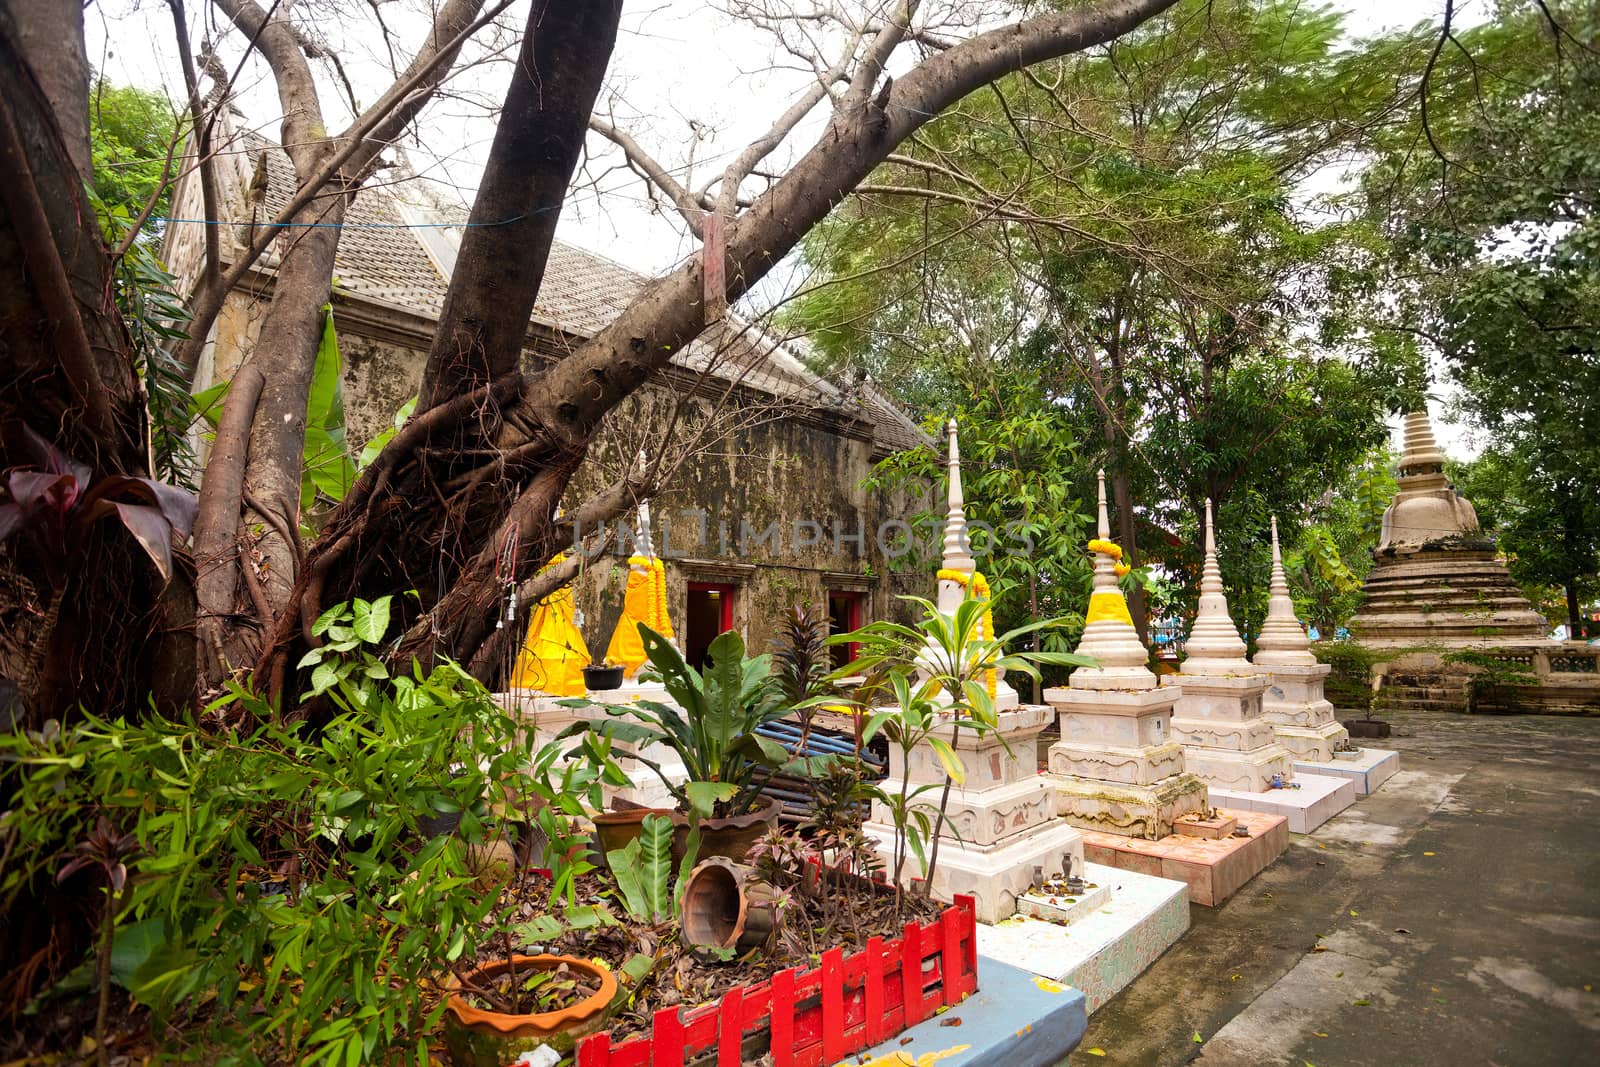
x: 1452, y: 918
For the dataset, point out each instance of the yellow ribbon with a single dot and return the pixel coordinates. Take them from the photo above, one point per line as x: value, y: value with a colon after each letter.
x: 1107, y: 606
x: 978, y: 586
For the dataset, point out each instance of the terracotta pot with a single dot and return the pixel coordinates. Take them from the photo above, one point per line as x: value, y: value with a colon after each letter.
x: 731, y: 837
x: 478, y: 1038
x: 614, y: 829
x: 725, y: 905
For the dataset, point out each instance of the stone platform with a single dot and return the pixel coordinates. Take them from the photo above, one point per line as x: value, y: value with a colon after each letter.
x: 1317, y: 800
x: 1368, y: 771
x: 1098, y: 953
x: 1015, y: 1018
x: 1213, y: 869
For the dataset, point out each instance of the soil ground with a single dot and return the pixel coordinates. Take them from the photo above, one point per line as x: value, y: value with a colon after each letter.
x: 1452, y: 918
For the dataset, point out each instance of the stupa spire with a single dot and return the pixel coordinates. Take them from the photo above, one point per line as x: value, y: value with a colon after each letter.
x: 1108, y: 633
x: 1421, y: 459
x: 1214, y: 645
x: 957, y: 547
x: 1283, y: 640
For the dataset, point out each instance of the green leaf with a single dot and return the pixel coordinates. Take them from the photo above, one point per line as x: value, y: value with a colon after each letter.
x: 704, y: 796
x: 371, y: 620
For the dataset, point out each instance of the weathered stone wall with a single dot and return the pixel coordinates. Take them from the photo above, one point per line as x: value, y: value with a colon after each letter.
x: 768, y: 499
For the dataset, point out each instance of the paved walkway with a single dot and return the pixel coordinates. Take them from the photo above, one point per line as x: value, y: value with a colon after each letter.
x: 1453, y: 918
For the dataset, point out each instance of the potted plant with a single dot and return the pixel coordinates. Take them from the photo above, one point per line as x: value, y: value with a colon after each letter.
x: 508, y: 1006
x: 926, y: 682
x: 713, y: 730
x: 602, y: 676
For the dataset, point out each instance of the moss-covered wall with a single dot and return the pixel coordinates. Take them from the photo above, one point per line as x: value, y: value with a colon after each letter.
x: 785, y: 514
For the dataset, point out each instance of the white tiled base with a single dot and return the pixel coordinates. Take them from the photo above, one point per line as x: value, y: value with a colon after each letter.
x: 1318, y: 799
x: 1368, y: 771
x: 1104, y: 950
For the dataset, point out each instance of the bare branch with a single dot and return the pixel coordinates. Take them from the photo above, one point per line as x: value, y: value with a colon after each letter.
x: 686, y: 203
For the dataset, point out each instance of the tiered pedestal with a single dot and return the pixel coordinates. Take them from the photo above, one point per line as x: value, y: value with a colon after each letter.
x: 1116, y: 768
x: 1303, y: 721
x: 1225, y: 740
x: 1000, y: 826
x: 549, y: 718
x: 1214, y: 868
x: 1301, y: 717
x: 1228, y: 743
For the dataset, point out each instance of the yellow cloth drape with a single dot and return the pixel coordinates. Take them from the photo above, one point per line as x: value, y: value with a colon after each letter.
x: 553, y: 656
x: 644, y: 600
x: 977, y: 586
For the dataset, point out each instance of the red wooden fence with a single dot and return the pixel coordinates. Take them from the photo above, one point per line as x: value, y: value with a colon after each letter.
x: 818, y: 1016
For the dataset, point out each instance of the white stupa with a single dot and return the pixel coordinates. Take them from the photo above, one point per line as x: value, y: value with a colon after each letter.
x: 1117, y: 767
x: 1218, y: 716
x: 1000, y: 831
x: 1302, y: 719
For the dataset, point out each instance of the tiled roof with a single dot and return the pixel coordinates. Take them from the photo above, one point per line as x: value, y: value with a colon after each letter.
x: 399, y: 245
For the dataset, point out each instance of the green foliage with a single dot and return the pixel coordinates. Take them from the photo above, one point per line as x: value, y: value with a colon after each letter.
x: 285, y: 899
x: 714, y: 735
x: 129, y: 132
x: 643, y: 871
x: 1488, y: 673
x: 1493, y: 228
x: 1332, y: 554
x: 1349, y: 685
x: 934, y: 676
x: 1126, y: 236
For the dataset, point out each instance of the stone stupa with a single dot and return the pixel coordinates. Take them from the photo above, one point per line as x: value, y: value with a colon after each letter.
x: 1436, y: 579
x: 1218, y: 717
x: 1000, y: 835
x: 1117, y: 767
x: 1301, y: 717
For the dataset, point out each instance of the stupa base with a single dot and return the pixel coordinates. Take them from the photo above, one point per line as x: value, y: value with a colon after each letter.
x: 1101, y: 952
x: 1317, y: 800
x: 1213, y: 869
x: 1145, y: 811
x: 1244, y: 772
x: 1368, y: 769
x: 995, y: 876
x: 1315, y: 743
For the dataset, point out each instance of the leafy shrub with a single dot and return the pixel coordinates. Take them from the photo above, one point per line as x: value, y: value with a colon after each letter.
x: 285, y: 901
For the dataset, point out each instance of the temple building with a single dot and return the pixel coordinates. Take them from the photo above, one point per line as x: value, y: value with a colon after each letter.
x: 1437, y: 579
x: 767, y: 506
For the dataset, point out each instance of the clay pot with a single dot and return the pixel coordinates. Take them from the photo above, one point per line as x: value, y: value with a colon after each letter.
x: 614, y: 829
x: 478, y: 1038
x: 725, y: 905
x: 731, y: 837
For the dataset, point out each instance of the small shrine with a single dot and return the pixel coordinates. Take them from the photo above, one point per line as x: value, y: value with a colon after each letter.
x: 1000, y: 834
x: 1218, y: 716
x: 1301, y: 717
x: 1117, y: 767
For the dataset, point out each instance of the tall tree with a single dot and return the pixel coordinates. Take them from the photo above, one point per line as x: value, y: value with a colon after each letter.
x: 1131, y: 229
x: 1489, y: 192
x: 493, y: 450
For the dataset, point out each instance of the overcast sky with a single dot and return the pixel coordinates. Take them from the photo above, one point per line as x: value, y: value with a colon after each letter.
x: 677, y: 62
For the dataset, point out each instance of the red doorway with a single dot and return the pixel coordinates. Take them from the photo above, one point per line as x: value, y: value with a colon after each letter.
x: 845, y: 613
x: 710, y: 612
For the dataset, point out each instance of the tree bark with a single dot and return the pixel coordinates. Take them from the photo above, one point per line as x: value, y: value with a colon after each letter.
x: 484, y: 323
x: 549, y: 425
